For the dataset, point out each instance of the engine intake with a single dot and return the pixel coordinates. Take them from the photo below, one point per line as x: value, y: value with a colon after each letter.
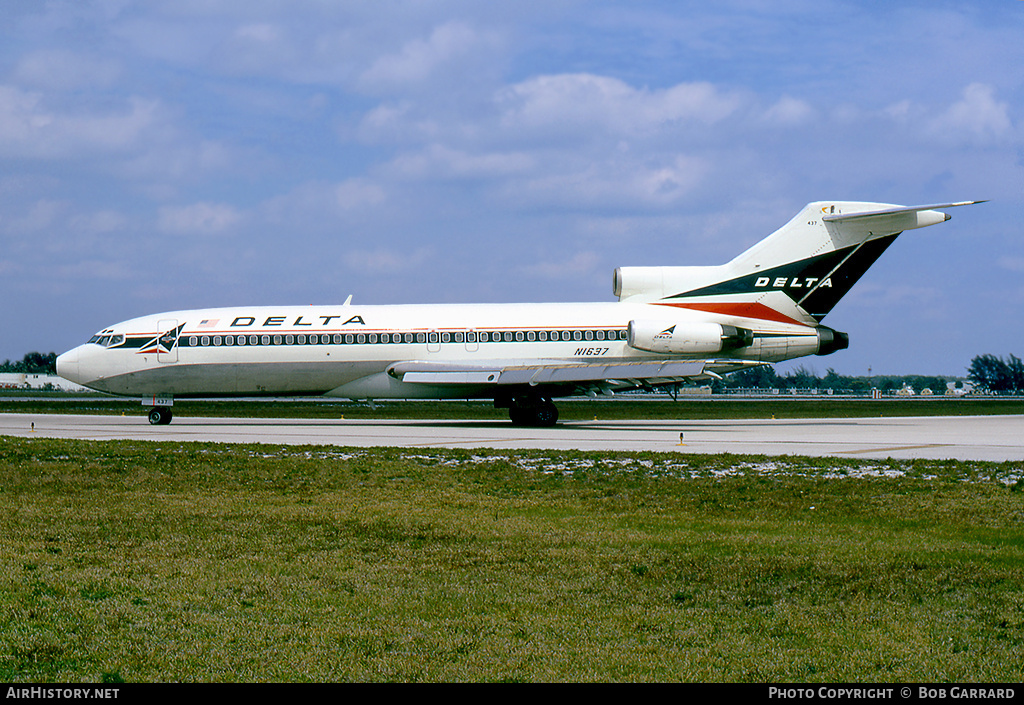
x: 686, y: 338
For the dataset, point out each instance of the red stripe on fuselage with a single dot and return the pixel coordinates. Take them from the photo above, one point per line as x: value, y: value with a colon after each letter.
x: 748, y: 309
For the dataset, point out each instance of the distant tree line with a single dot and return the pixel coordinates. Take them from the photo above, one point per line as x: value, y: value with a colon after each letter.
x: 987, y: 372
x: 765, y: 377
x: 996, y: 374
x: 33, y: 363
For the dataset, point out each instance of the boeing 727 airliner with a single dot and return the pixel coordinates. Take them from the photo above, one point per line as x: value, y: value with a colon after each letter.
x: 669, y: 325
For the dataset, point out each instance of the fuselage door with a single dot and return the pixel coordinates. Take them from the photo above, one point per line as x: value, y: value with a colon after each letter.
x: 167, y: 343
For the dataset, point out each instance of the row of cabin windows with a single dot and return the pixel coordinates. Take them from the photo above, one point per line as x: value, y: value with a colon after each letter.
x: 433, y: 337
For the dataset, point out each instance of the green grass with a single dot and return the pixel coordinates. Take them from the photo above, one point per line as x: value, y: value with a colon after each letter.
x: 203, y: 562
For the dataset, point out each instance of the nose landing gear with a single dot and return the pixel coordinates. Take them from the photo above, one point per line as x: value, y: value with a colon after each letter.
x: 160, y: 415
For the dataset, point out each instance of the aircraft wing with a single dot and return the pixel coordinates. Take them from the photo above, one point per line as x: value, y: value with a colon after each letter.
x: 535, y: 373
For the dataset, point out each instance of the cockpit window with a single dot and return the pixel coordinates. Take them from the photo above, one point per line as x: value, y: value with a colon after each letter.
x: 107, y: 341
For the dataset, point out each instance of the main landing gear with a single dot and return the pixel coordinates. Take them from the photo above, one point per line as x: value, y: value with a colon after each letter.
x: 532, y: 412
x: 160, y: 415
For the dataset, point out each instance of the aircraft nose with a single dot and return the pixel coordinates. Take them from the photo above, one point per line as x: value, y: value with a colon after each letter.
x: 68, y: 367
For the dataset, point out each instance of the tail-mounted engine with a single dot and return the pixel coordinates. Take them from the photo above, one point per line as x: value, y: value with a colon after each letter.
x: 687, y: 338
x: 831, y: 340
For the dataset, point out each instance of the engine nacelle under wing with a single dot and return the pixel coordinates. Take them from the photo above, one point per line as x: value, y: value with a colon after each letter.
x: 696, y: 338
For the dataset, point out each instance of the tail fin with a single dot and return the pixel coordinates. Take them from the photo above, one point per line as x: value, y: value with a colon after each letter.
x: 797, y: 274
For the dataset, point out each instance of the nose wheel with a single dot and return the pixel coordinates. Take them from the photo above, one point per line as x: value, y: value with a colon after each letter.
x: 160, y: 415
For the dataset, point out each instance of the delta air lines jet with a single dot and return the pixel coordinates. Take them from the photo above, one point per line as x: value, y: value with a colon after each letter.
x: 670, y: 324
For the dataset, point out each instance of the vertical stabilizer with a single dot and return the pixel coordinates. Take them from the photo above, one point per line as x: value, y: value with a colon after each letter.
x: 797, y: 274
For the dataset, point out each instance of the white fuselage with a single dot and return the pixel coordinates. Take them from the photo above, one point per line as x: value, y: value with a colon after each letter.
x: 346, y: 350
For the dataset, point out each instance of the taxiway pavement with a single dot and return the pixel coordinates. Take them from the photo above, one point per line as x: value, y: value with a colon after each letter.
x: 995, y: 438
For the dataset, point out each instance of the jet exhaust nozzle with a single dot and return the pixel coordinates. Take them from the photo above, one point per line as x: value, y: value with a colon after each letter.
x: 830, y: 341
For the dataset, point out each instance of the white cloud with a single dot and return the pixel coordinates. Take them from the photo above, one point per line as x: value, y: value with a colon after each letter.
x: 42, y: 215
x: 976, y: 117
x: 583, y: 102
x: 29, y: 129
x: 198, y: 219
x: 440, y: 161
x: 387, y: 261
x: 615, y: 183
x: 579, y: 264
x: 316, y: 205
x: 789, y: 112
x: 104, y: 221
x: 62, y: 70
x: 356, y: 193
x: 1011, y: 263
x: 419, y: 59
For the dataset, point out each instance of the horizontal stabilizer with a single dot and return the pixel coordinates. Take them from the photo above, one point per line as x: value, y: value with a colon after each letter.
x: 839, y: 217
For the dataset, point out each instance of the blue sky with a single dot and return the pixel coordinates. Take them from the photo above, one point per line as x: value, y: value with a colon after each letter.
x: 157, y: 156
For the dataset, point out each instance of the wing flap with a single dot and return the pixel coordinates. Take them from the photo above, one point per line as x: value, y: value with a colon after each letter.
x: 553, y: 372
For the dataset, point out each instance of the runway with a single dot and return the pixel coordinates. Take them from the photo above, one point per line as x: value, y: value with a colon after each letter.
x: 994, y: 438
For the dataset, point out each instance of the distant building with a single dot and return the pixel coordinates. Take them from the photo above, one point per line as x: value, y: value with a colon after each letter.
x: 953, y: 391
x: 31, y: 380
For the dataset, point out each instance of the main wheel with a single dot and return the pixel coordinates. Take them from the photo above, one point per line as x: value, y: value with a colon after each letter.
x: 545, y: 414
x: 160, y: 416
x: 541, y: 413
x: 518, y: 415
